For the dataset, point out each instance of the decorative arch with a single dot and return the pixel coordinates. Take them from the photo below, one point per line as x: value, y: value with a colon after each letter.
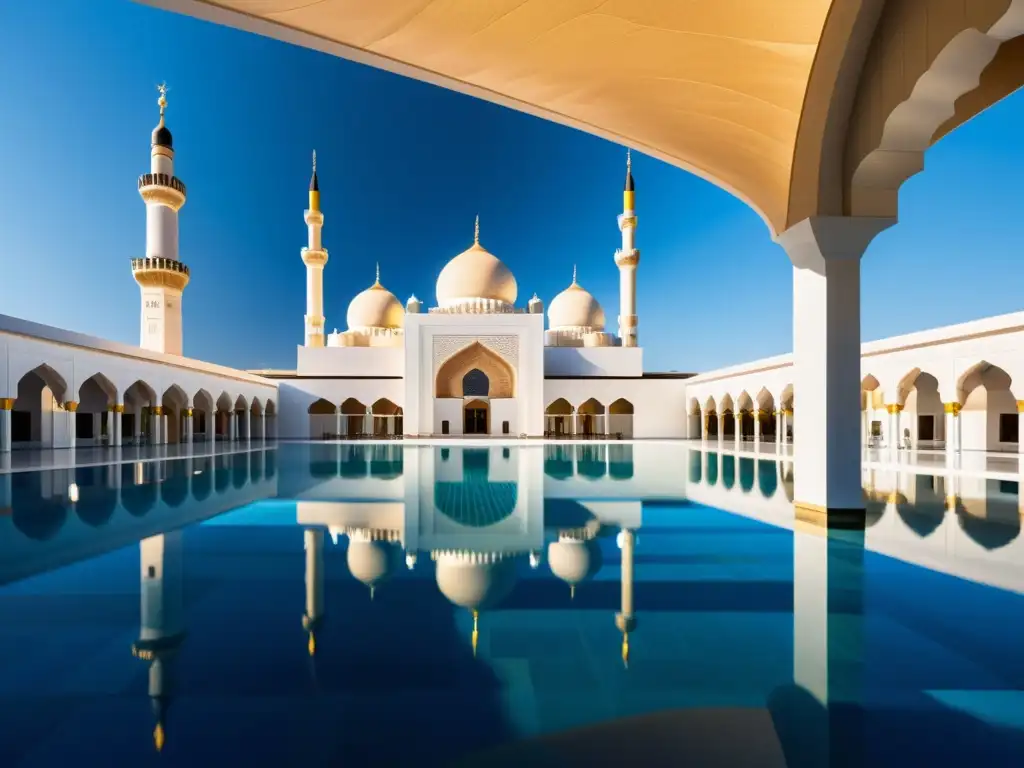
x: 620, y: 418
x: 988, y: 418
x: 50, y: 379
x: 387, y: 418
x: 558, y: 420
x: 99, y: 382
x: 500, y: 374
x: 323, y: 423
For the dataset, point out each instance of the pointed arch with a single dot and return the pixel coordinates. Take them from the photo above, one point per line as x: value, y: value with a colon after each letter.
x: 51, y: 379
x: 559, y: 407
x: 450, y: 375
x: 323, y: 423
x: 620, y: 418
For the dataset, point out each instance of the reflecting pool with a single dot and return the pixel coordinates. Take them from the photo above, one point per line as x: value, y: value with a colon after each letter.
x: 570, y: 604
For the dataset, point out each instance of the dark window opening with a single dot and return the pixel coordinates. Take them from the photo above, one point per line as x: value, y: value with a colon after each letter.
x: 83, y: 425
x: 876, y: 429
x: 444, y: 427
x: 1009, y: 428
x: 1009, y: 487
x: 926, y: 427
x: 504, y: 428
x: 445, y: 453
x: 151, y: 572
x: 21, y: 426
x: 475, y: 384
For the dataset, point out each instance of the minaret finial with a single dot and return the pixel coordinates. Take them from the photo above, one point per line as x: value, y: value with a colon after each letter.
x: 162, y: 101
x: 314, y: 161
x: 476, y: 231
x: 574, y: 274
x: 629, y: 161
x: 378, y: 274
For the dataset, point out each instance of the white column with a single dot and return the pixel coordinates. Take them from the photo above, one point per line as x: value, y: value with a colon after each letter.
x: 737, y: 435
x: 785, y: 426
x: 952, y: 412
x: 233, y: 425
x: 263, y: 426
x: 720, y: 423
x: 826, y: 252
x: 704, y: 426
x: 865, y: 427
x: 71, y: 417
x: 118, y: 416
x: 164, y: 431
x: 6, y: 405
x: 894, y: 429
x: 368, y: 421
x: 757, y: 432
x: 780, y: 436
x: 337, y: 421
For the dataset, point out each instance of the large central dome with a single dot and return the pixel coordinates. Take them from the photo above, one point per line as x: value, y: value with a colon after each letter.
x: 475, y: 274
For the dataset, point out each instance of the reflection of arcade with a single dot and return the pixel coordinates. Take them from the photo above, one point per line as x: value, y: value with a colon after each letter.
x: 162, y: 628
x: 589, y: 461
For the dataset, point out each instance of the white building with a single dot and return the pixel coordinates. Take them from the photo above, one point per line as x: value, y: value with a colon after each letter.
x: 475, y: 363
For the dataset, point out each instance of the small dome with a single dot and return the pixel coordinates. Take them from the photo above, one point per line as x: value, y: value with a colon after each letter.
x: 476, y: 273
x: 376, y: 307
x: 573, y: 560
x: 575, y: 307
x: 162, y: 136
x: 371, y: 562
x: 473, y: 584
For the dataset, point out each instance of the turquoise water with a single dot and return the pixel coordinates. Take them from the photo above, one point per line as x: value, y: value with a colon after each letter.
x: 366, y: 604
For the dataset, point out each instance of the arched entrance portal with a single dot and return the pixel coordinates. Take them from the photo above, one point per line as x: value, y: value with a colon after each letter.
x: 475, y: 363
x: 475, y: 417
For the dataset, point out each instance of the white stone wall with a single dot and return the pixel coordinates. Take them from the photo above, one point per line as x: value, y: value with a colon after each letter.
x: 593, y: 361
x: 351, y: 361
x: 659, y: 404
x: 298, y: 394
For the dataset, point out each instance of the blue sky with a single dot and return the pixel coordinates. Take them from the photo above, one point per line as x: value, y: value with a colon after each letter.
x: 404, y: 168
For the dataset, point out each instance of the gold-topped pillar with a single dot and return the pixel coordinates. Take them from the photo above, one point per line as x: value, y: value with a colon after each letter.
x: 780, y: 436
x: 737, y: 435
x: 1020, y: 426
x: 895, y: 436
x: 757, y: 429
x: 6, y: 406
x: 952, y: 413
x: 71, y: 416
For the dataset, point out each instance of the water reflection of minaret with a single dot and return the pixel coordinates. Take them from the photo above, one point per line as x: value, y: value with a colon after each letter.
x: 162, y: 629
x: 625, y: 620
x: 313, y: 541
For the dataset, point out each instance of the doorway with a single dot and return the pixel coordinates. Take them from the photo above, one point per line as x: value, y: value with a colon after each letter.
x: 475, y: 418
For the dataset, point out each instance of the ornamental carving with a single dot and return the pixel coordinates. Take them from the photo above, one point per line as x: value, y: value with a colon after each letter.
x: 455, y: 356
x: 506, y: 347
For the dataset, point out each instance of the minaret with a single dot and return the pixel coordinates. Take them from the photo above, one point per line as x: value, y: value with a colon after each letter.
x: 162, y: 630
x: 625, y: 619
x: 314, y: 256
x: 160, y: 275
x: 313, y: 541
x: 626, y: 259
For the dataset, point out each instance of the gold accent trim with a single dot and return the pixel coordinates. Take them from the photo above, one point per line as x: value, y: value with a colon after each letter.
x: 160, y: 278
x: 118, y: 409
x: 1020, y: 406
x: 70, y: 406
x: 188, y: 412
x: 161, y: 195
x: 787, y: 411
x: 630, y: 259
x: 894, y: 408
x: 157, y: 410
x: 953, y: 408
x: 821, y: 517
x: 7, y: 403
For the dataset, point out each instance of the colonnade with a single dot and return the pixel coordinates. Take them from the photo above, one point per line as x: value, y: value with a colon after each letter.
x: 353, y: 419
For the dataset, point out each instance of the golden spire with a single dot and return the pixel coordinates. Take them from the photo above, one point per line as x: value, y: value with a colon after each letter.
x: 162, y: 101
x: 628, y: 193
x: 158, y: 736
x: 625, y: 649
x: 475, y: 637
x: 314, y: 162
x: 629, y: 162
x: 311, y: 645
x: 476, y: 231
x: 314, y: 188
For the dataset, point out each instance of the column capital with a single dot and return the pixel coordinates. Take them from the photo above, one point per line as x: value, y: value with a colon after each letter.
x: 119, y: 408
x: 893, y: 407
x: 70, y: 406
x: 188, y: 412
x: 953, y: 408
x: 157, y: 410
x: 1020, y: 406
x: 7, y: 403
x: 815, y: 241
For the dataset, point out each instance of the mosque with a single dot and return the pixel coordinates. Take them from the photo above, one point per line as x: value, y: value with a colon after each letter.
x: 475, y: 363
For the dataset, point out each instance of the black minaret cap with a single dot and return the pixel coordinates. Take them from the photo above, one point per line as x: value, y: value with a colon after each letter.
x: 629, y: 172
x: 162, y: 134
x: 314, y: 182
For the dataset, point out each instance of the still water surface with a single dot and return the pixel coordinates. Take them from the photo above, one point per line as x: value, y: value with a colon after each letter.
x: 570, y: 604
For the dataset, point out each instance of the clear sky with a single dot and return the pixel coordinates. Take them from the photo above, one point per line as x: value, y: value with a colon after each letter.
x: 404, y: 168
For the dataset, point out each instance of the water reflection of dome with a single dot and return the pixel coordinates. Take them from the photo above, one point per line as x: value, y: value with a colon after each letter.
x: 370, y: 560
x: 475, y: 581
x: 922, y: 518
x: 573, y: 559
